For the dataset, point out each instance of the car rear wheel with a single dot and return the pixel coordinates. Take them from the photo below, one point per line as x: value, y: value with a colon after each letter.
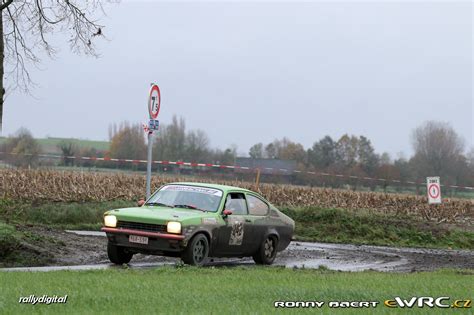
x: 197, y: 251
x: 267, y: 252
x: 118, y: 255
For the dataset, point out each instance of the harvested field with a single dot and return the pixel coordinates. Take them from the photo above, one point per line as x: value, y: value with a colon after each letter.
x: 51, y: 185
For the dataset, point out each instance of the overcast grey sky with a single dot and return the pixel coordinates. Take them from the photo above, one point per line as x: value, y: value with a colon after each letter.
x: 248, y: 72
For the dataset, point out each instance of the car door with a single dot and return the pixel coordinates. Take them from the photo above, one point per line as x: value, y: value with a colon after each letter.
x: 257, y: 222
x: 231, y: 234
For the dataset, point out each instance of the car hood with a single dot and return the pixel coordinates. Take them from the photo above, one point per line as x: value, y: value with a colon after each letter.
x: 156, y: 215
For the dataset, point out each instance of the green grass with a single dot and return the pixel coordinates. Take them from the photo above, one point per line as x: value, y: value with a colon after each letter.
x: 21, y: 248
x: 49, y: 145
x: 9, y: 238
x: 65, y: 215
x: 362, y: 227
x: 312, y: 224
x: 240, y: 290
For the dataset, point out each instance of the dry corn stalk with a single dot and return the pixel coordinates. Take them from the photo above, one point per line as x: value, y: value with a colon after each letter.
x: 68, y: 186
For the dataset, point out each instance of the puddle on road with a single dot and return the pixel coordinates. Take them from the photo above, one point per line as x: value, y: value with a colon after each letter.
x: 87, y: 233
x: 340, y: 257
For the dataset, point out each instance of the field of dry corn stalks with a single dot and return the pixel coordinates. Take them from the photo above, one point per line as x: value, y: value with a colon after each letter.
x: 68, y: 186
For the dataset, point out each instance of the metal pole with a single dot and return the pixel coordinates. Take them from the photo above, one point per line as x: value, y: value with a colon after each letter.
x: 148, y: 165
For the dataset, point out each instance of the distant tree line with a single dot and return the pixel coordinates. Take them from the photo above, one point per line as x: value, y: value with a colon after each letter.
x: 438, y: 151
x: 172, y: 143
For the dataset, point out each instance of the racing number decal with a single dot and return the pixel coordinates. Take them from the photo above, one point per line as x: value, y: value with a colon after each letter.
x: 237, y: 232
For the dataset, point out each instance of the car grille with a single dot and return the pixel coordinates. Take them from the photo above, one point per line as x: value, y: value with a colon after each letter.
x: 141, y: 226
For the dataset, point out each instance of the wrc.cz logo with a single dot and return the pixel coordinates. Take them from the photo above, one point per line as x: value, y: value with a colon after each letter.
x: 442, y: 302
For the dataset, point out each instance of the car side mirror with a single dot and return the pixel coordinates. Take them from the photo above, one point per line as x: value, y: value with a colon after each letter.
x: 141, y: 202
x: 226, y: 212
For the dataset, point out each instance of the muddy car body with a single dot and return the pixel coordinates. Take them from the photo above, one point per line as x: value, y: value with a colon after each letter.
x: 195, y: 221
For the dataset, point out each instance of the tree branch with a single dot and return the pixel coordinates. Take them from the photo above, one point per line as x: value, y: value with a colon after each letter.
x: 39, y: 5
x: 5, y: 4
x: 27, y: 24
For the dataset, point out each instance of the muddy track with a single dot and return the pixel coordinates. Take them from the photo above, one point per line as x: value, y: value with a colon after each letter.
x: 74, y: 251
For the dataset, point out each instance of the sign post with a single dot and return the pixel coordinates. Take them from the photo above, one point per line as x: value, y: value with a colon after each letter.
x: 434, y: 190
x: 154, y: 103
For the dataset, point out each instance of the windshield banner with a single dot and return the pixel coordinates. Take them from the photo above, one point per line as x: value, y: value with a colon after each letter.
x: 202, y: 190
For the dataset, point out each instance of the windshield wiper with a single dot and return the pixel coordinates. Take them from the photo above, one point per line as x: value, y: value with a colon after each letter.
x: 189, y: 207
x: 159, y: 204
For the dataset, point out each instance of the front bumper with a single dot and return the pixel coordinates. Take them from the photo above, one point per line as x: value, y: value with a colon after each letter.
x: 158, y: 243
x: 143, y: 233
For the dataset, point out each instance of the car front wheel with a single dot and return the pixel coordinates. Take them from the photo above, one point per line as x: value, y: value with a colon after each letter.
x: 197, y: 251
x: 118, y: 255
x: 267, y: 252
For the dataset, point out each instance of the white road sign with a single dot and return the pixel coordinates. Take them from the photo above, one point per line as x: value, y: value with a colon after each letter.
x: 154, y: 101
x: 434, y: 190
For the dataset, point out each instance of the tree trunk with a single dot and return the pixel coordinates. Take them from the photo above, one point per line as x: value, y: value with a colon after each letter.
x: 2, y: 56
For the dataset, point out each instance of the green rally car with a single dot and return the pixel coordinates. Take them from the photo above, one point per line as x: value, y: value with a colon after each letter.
x: 195, y: 221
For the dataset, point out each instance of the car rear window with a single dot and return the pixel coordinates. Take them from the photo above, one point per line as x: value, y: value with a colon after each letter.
x: 256, y: 206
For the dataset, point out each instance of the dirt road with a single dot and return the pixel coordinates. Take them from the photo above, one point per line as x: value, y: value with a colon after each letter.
x: 87, y: 250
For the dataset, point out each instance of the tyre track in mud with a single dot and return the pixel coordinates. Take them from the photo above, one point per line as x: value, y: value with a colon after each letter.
x: 86, y: 250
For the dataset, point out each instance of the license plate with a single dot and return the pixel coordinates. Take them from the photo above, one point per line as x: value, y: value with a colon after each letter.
x: 138, y: 239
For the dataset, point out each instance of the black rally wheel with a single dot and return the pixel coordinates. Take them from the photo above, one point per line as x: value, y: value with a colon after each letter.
x: 267, y: 252
x: 118, y: 255
x: 197, y: 251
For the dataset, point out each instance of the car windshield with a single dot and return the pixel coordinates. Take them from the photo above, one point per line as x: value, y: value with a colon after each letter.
x: 187, y: 197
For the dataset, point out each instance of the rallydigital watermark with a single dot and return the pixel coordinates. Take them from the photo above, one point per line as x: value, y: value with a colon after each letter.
x: 396, y: 302
x: 44, y: 299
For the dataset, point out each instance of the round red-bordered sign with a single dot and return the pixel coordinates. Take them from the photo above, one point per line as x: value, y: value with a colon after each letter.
x: 435, y: 193
x: 154, y: 101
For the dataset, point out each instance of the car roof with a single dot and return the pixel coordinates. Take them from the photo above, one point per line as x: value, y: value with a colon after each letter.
x: 224, y: 188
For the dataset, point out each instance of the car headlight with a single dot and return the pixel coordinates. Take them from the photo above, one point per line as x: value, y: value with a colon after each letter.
x: 174, y: 227
x: 110, y: 221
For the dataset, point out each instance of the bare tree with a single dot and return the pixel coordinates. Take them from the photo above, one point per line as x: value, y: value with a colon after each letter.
x: 25, y: 26
x: 346, y: 151
x: 170, y: 143
x: 197, y: 146
x: 68, y: 149
x: 128, y: 142
x: 470, y: 159
x: 22, y: 149
x: 256, y: 151
x: 438, y: 150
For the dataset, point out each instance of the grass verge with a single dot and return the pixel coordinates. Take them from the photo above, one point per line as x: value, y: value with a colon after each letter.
x: 312, y: 224
x: 64, y: 215
x: 363, y: 227
x: 22, y: 248
x: 237, y: 290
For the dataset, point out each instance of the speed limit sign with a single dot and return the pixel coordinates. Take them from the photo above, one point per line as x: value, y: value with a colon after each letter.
x: 433, y: 188
x: 154, y: 101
